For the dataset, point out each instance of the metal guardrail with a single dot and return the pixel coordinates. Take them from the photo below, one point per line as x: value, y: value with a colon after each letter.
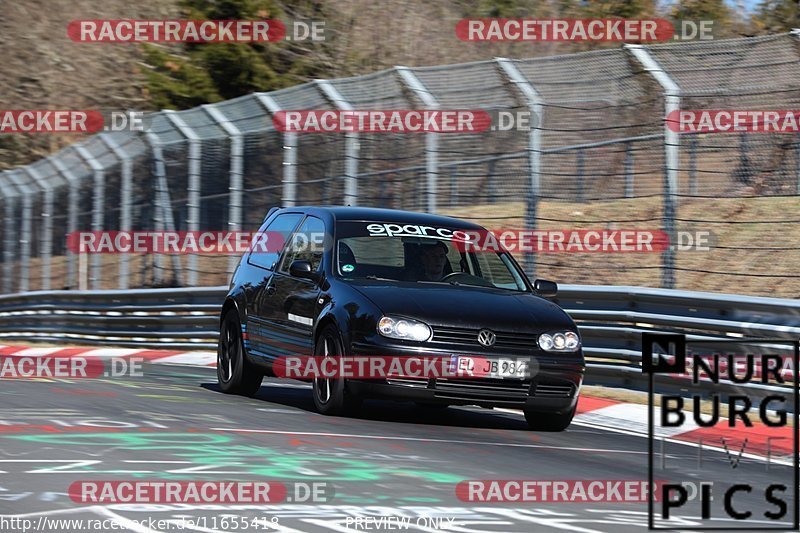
x: 611, y: 320
x: 157, y: 318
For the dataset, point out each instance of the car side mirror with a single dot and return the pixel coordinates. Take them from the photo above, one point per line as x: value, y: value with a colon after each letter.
x: 545, y: 288
x: 302, y: 269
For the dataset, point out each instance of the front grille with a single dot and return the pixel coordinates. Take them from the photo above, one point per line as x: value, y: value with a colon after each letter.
x: 408, y: 382
x: 469, y: 337
x: 501, y: 390
x: 482, y: 389
x: 546, y: 390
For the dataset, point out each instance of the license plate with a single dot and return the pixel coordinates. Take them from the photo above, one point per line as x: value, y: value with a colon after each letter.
x: 503, y: 368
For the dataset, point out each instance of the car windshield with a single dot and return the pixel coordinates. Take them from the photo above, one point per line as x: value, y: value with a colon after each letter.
x: 420, y: 254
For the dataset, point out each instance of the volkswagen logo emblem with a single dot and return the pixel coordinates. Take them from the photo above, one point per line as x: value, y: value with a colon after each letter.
x: 486, y: 337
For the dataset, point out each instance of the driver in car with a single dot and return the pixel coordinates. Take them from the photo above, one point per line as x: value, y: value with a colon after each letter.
x: 433, y: 258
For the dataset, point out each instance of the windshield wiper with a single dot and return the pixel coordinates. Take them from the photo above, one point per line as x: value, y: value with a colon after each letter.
x: 378, y: 278
x: 451, y: 282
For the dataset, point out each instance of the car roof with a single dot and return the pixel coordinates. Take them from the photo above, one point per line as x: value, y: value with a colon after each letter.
x: 389, y: 215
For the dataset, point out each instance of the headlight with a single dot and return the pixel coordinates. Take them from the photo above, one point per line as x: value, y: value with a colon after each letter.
x: 567, y: 341
x: 404, y: 328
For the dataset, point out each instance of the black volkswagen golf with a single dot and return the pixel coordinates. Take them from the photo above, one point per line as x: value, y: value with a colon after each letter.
x: 350, y: 281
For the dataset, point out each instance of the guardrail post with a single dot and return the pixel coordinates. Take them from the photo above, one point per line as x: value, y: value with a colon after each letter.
x: 628, y: 170
x: 98, y: 207
x: 236, y: 175
x: 431, y: 139
x: 289, y: 177
x: 72, y: 217
x: 351, y: 144
x: 46, y: 244
x: 672, y: 98
x: 535, y: 105
x: 192, y: 186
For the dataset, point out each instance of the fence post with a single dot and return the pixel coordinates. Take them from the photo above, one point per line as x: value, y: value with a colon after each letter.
x: 126, y: 192
x: 491, y: 186
x: 98, y: 207
x: 46, y: 244
x: 579, y: 175
x: 72, y: 217
x: 162, y: 206
x: 431, y: 139
x: 693, y: 165
x: 453, y: 187
x: 672, y: 97
x: 628, y: 170
x: 236, y: 175
x: 351, y: 143
x: 10, y: 196
x: 192, y: 186
x: 25, y: 230
x: 536, y: 107
x: 797, y: 160
x: 289, y: 174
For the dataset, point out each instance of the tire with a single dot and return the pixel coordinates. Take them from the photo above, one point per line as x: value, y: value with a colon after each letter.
x: 235, y: 374
x: 539, y: 421
x: 331, y: 396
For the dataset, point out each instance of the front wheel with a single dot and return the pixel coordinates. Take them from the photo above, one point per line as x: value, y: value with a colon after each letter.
x: 235, y: 374
x: 331, y: 396
x: 539, y: 421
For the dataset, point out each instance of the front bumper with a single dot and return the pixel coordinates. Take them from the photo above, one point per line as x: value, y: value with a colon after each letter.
x: 554, y: 386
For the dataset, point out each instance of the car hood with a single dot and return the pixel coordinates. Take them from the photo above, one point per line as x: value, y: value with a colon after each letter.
x: 469, y: 307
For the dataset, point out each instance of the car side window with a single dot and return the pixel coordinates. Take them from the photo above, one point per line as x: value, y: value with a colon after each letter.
x: 277, y: 235
x: 306, y: 244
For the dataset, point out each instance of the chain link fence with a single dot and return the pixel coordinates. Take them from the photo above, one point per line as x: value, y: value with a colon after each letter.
x: 598, y: 156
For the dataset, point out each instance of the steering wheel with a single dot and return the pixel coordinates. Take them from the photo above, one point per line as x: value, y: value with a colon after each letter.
x: 469, y: 279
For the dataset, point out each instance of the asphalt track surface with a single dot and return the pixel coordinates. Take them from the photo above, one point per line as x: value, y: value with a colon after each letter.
x: 393, y: 460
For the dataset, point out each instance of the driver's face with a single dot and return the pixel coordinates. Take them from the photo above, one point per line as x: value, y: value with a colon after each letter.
x: 433, y: 260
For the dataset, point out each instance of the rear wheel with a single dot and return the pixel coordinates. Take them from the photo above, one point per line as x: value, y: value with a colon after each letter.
x: 331, y: 396
x: 539, y: 421
x: 235, y: 374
